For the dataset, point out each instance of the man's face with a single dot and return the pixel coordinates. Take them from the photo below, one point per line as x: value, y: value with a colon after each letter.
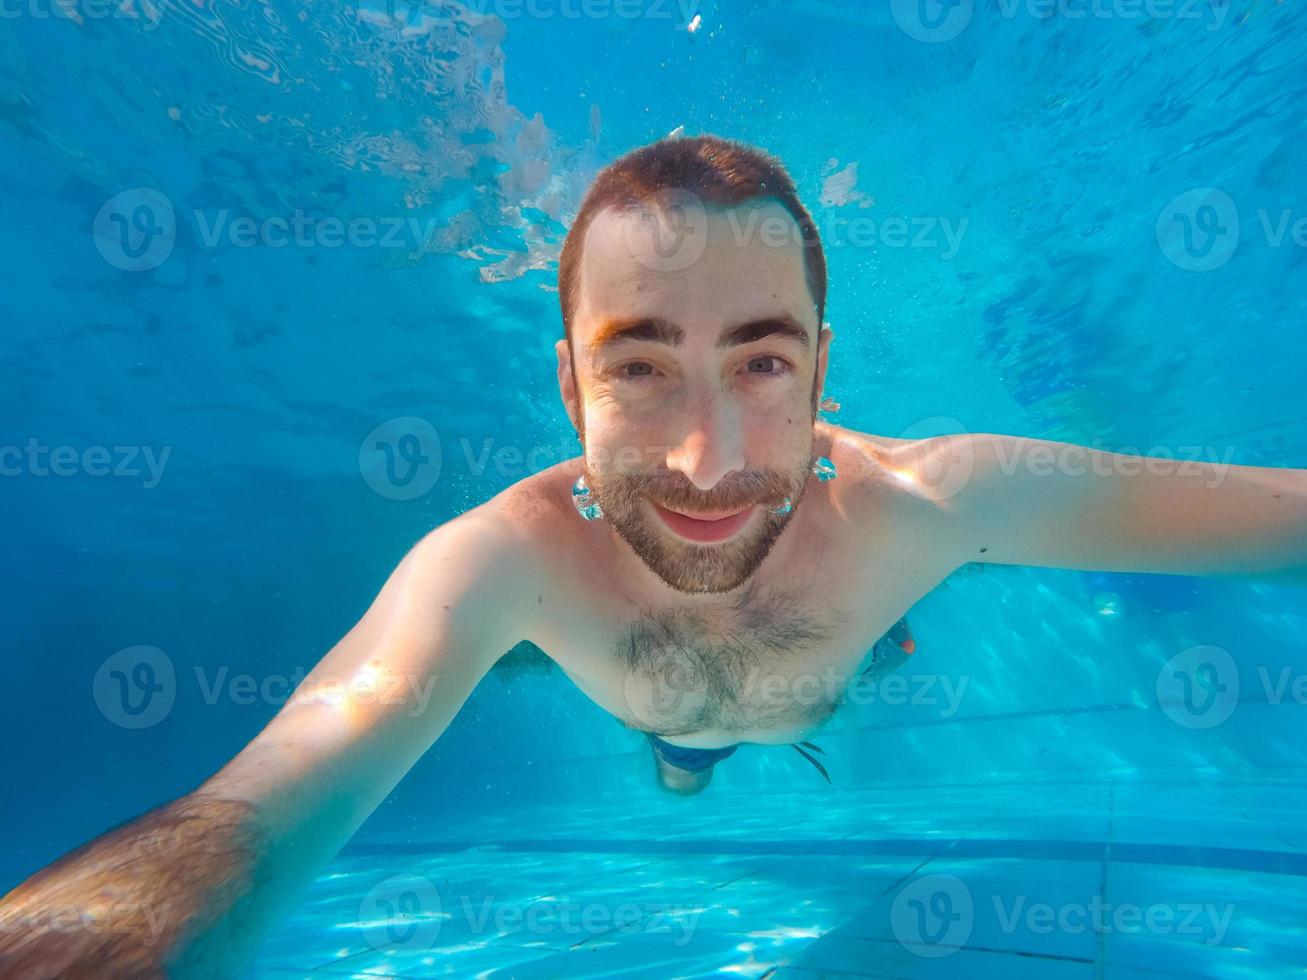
x: 695, y: 366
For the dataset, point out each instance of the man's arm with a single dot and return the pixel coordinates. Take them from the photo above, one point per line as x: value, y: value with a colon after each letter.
x: 190, y: 887
x: 1033, y: 502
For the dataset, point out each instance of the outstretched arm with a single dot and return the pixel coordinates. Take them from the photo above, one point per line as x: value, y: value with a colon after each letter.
x: 1036, y: 502
x: 189, y: 888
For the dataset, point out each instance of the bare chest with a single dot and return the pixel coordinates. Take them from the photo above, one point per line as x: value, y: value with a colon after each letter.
x: 769, y: 670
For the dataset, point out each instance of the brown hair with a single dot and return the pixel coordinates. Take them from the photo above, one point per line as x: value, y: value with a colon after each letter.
x: 717, y: 171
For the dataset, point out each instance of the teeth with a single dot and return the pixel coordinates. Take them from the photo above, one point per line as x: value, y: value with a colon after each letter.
x: 711, y: 516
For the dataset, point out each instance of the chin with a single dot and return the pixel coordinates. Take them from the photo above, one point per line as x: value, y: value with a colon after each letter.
x: 700, y: 569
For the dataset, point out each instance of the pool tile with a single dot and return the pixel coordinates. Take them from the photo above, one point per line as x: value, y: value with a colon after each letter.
x: 876, y: 958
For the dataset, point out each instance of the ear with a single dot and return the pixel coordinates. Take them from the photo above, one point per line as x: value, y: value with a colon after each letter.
x: 567, y: 383
x: 824, y: 339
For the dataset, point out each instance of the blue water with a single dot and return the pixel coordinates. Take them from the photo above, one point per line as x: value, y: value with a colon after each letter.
x: 1029, y: 181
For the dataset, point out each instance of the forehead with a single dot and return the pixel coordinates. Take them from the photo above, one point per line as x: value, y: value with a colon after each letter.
x: 701, y: 268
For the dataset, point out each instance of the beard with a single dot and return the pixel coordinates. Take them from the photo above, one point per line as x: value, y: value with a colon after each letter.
x: 685, y: 565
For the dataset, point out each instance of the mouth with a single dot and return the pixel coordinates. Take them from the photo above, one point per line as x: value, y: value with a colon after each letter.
x: 705, y: 527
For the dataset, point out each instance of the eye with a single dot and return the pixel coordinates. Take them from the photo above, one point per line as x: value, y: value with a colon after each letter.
x: 636, y: 369
x: 766, y: 364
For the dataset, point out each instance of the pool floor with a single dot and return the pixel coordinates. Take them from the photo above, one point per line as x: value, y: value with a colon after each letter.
x: 1079, y: 879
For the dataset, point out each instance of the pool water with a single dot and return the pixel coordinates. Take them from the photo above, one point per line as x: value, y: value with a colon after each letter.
x: 1049, y: 878
x: 243, y: 241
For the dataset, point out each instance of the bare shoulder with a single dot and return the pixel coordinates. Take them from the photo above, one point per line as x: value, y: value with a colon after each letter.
x: 869, y: 465
x: 506, y: 558
x: 538, y: 508
x: 534, y: 518
x: 908, y: 480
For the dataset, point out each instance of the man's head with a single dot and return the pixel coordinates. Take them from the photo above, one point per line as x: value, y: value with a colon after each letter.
x: 693, y: 286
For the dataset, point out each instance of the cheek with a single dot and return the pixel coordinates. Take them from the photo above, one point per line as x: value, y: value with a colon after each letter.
x: 781, y: 432
x: 617, y: 443
x: 783, y: 406
x: 630, y: 418
x: 779, y: 436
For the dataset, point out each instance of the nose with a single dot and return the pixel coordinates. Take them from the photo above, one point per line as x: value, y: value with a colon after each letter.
x: 711, y: 445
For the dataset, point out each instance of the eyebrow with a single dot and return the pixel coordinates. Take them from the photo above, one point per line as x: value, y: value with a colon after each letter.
x: 660, y: 331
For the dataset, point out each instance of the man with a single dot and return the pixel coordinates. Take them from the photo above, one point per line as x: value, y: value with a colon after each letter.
x: 715, y: 550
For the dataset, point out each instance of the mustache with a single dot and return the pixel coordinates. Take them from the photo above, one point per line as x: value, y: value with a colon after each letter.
x: 674, y: 491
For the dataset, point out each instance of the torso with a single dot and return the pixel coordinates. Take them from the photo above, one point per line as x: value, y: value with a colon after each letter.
x: 770, y: 663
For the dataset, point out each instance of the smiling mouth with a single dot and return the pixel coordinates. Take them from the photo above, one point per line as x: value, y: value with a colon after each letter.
x: 705, y: 527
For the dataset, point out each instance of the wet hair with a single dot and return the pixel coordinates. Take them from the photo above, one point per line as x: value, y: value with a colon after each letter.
x: 718, y: 172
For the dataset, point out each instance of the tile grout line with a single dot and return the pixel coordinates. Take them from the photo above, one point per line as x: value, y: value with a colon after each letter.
x: 1100, y: 953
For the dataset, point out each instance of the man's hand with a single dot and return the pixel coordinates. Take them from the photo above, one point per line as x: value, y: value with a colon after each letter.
x: 1034, y: 502
x: 120, y: 907
x: 188, y: 889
